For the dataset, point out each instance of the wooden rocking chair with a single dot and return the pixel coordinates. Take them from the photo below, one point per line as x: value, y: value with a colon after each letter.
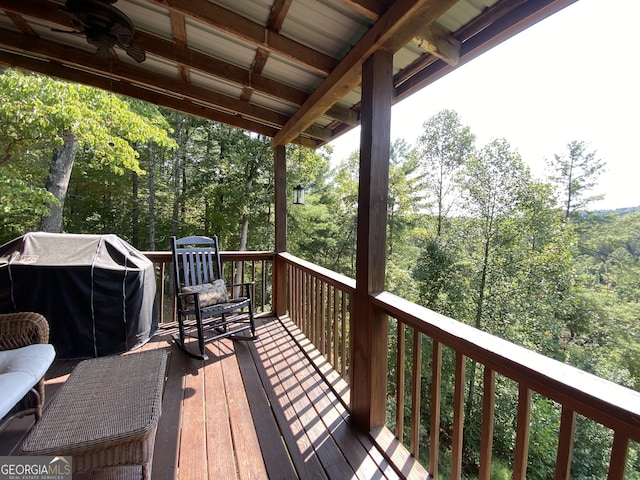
x: 205, y: 310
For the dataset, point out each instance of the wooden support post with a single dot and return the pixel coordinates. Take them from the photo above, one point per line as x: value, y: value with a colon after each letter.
x: 368, y: 367
x: 279, y: 266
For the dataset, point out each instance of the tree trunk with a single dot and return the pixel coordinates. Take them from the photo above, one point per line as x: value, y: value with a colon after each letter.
x: 152, y: 198
x: 135, y: 210
x: 58, y: 181
x: 244, y: 233
x: 176, y: 193
x: 478, y: 323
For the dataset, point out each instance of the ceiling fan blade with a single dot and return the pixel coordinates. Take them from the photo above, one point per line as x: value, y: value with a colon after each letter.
x: 136, y: 53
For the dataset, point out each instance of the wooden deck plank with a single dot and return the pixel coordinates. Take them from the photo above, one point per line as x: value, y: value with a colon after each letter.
x: 221, y: 459
x: 259, y: 409
x: 292, y: 378
x: 167, y: 445
x: 276, y: 458
x: 192, y: 460
x: 245, y: 441
x: 335, y: 418
x: 298, y: 443
x: 338, y: 393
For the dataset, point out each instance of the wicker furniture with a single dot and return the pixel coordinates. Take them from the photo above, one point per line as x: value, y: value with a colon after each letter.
x: 25, y: 356
x: 105, y: 416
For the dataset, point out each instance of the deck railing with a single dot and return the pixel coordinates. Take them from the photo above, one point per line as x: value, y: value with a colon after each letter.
x: 253, y: 267
x: 319, y: 303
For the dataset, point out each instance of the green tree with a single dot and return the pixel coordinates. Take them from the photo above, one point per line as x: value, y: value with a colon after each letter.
x: 443, y: 149
x: 575, y: 174
x: 322, y: 230
x: 45, y: 122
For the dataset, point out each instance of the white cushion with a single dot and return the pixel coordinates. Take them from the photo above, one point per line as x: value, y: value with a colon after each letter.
x: 20, y: 370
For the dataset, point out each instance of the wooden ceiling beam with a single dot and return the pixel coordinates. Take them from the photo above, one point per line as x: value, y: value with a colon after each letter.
x: 497, y: 23
x: 153, y: 96
x: 432, y: 39
x: 89, y: 62
x: 20, y: 22
x: 372, y: 9
x: 249, y: 31
x: 394, y: 30
x: 440, y: 44
x: 218, y: 68
x: 179, y: 33
x: 278, y: 13
x: 175, y: 51
x: 179, y: 53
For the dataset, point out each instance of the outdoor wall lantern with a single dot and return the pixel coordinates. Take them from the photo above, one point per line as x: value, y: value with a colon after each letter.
x: 298, y: 190
x: 298, y: 195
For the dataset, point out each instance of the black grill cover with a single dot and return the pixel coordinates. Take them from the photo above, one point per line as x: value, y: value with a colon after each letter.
x: 96, y: 291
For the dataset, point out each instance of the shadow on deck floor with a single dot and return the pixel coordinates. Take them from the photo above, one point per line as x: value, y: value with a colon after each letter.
x: 252, y: 410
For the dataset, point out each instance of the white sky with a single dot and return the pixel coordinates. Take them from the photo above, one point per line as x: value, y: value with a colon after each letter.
x: 573, y: 76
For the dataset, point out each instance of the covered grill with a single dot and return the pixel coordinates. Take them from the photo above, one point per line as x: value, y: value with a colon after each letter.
x: 96, y: 291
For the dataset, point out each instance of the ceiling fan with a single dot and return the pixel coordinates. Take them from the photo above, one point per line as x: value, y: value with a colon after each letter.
x: 103, y: 25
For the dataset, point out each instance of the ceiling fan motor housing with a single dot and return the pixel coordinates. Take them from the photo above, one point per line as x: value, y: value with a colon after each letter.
x: 103, y: 25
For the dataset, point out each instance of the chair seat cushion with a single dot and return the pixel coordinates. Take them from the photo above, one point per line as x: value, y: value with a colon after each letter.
x: 208, y: 293
x: 20, y: 370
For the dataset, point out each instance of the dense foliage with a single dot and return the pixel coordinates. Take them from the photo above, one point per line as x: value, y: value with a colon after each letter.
x: 471, y: 233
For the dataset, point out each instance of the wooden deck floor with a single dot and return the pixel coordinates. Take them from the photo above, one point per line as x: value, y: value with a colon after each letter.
x: 253, y: 410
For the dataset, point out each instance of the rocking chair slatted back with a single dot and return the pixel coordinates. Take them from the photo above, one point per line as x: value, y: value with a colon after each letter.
x: 202, y: 295
x: 199, y: 266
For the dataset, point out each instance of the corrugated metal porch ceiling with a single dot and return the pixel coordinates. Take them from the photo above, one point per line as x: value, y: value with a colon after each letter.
x: 287, y: 69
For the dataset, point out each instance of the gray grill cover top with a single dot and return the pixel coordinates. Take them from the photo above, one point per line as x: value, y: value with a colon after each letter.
x: 96, y: 291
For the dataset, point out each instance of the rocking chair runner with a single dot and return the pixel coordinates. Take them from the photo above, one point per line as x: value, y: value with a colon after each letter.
x: 202, y: 295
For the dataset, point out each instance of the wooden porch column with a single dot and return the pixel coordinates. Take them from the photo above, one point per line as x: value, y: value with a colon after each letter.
x: 279, y: 267
x: 368, y: 369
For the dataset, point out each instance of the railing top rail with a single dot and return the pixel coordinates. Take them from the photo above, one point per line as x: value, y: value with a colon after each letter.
x: 165, y: 256
x: 608, y: 403
x: 336, y: 279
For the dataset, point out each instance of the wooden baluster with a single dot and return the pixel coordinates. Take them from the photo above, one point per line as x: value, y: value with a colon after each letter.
x: 400, y: 372
x: 162, y: 292
x: 523, y: 428
x: 488, y: 409
x: 416, y: 382
x: 618, y: 460
x: 336, y: 342
x: 321, y: 323
x: 291, y: 297
x: 436, y: 382
x: 343, y: 363
x: 310, y: 306
x: 565, y: 444
x: 329, y: 325
x: 458, y: 417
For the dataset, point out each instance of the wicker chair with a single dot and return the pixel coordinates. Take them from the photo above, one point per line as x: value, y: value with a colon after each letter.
x: 30, y: 330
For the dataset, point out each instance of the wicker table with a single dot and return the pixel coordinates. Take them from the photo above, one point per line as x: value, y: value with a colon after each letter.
x: 105, y: 416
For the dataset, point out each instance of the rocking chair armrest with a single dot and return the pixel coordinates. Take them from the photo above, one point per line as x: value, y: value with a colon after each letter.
x: 182, y: 299
x: 186, y: 294
x: 247, y: 285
